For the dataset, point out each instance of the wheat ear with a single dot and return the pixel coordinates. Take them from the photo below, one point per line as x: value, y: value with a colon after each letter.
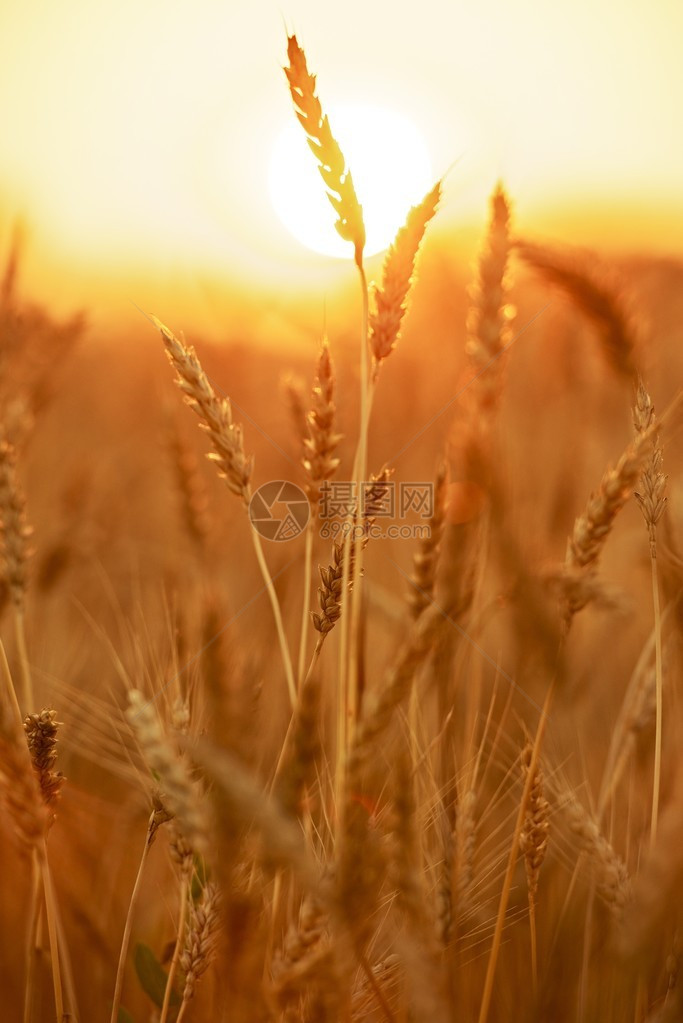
x: 426, y: 558
x: 611, y: 876
x: 592, y: 528
x: 489, y: 319
x: 179, y: 792
x: 200, y: 942
x: 320, y: 463
x: 331, y: 163
x: 228, y: 455
x: 390, y: 297
x: 595, y: 297
x: 534, y: 845
x: 41, y: 735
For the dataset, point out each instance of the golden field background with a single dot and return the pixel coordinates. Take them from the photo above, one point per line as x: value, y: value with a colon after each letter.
x: 120, y: 595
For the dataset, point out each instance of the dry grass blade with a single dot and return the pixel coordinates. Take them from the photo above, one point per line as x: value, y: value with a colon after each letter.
x: 215, y: 414
x: 599, y: 302
x: 397, y: 276
x: 331, y: 163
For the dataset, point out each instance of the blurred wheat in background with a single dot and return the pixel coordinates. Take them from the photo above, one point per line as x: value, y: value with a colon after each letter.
x: 351, y: 776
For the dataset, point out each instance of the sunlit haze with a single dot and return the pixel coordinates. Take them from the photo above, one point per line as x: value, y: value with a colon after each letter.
x: 391, y: 171
x: 139, y: 139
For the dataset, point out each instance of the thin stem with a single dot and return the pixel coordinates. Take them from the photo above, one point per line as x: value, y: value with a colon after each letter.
x: 305, y: 616
x: 125, y: 941
x: 35, y: 909
x: 180, y: 936
x: 366, y: 391
x: 283, y: 750
x: 9, y: 685
x: 26, y: 687
x: 52, y: 935
x: 512, y: 858
x: 659, y: 685
x: 534, y: 946
x: 275, y: 604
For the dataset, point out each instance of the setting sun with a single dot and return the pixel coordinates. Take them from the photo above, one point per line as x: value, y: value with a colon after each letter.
x: 391, y: 170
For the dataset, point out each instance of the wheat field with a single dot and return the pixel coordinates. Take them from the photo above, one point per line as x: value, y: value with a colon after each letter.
x: 360, y: 775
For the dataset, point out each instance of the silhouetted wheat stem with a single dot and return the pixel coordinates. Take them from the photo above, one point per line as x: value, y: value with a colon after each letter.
x: 652, y: 502
x: 158, y: 816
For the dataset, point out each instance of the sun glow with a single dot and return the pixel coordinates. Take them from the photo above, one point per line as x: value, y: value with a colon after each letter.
x: 391, y: 170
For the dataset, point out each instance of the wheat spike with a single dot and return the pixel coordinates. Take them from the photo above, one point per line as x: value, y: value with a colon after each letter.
x: 215, y: 414
x: 534, y: 836
x: 200, y: 940
x: 321, y: 439
x: 652, y: 500
x: 595, y: 297
x: 331, y: 163
x: 41, y: 735
x: 426, y: 559
x: 330, y: 593
x: 592, y: 528
x: 13, y: 526
x: 179, y: 791
x: 611, y: 876
x: 490, y: 316
x: 19, y: 786
x: 397, y: 275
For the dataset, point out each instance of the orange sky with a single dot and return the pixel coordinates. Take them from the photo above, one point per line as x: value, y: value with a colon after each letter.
x: 137, y: 134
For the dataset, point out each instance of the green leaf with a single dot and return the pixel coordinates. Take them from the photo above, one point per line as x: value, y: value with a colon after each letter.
x: 124, y: 1016
x: 153, y: 976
